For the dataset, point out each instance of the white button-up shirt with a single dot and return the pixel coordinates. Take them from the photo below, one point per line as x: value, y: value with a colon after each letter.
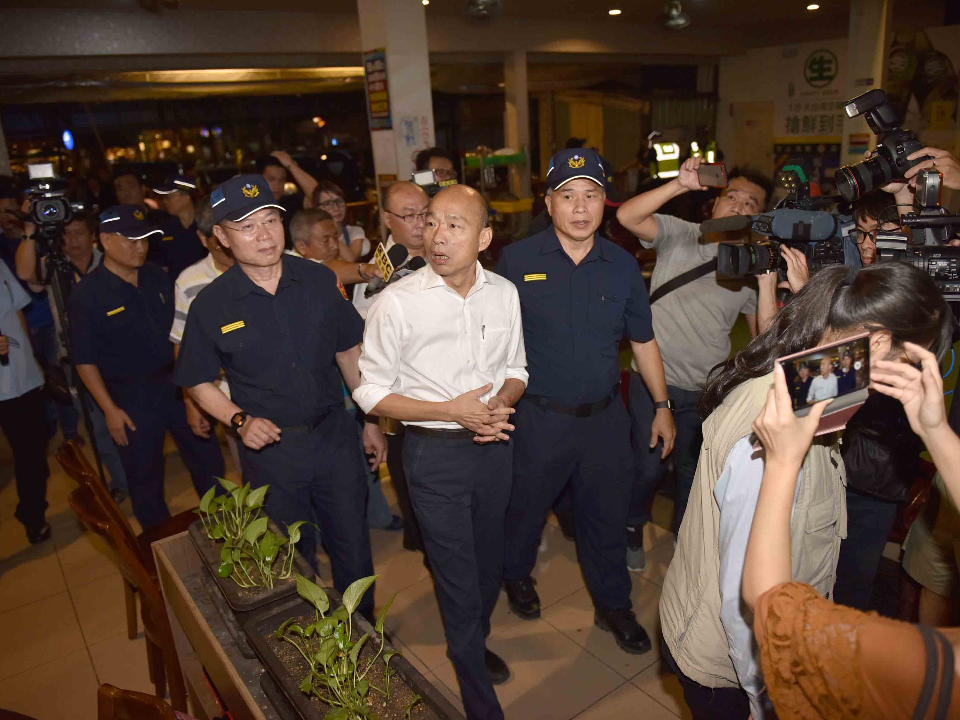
x: 426, y: 342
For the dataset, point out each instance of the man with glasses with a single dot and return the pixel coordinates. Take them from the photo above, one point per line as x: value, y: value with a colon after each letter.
x: 280, y: 327
x: 120, y: 319
x: 438, y: 160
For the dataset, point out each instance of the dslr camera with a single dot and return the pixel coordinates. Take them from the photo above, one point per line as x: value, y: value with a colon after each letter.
x: 894, y: 144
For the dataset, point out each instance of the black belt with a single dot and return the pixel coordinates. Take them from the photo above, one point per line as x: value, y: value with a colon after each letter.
x: 442, y: 434
x: 580, y: 411
x: 309, y: 427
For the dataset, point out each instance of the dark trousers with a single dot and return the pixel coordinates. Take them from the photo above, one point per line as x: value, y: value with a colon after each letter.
x: 649, y: 468
x: 593, y: 455
x: 47, y: 351
x: 412, y: 534
x: 460, y: 491
x: 319, y: 474
x: 22, y: 420
x: 707, y: 703
x: 869, y: 521
x: 154, y: 409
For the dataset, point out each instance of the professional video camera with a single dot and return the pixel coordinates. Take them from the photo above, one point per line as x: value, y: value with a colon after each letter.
x: 796, y: 222
x: 50, y: 210
x: 427, y: 179
x: 893, y: 146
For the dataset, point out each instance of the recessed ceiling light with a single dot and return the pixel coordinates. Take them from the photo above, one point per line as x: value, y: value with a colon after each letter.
x: 425, y: 2
x: 614, y: 12
x: 813, y: 6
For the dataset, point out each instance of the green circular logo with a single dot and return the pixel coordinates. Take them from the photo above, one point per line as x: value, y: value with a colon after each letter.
x: 820, y: 68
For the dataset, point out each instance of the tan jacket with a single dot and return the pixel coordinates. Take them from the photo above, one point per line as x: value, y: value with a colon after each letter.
x: 690, y: 601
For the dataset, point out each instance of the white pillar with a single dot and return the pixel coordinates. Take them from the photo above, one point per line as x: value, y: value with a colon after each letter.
x: 869, y: 31
x: 517, y: 119
x: 399, y: 28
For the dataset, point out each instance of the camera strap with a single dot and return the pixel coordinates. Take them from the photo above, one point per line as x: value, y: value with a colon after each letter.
x: 682, y: 279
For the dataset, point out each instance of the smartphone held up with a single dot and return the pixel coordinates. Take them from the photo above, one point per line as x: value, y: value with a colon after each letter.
x: 712, y: 175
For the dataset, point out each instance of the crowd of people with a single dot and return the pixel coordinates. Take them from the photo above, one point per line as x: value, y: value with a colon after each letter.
x: 493, y: 393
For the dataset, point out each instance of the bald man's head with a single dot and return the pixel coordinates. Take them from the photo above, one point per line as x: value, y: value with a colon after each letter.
x: 399, y: 191
x: 457, y: 232
x: 473, y: 204
x: 403, y: 208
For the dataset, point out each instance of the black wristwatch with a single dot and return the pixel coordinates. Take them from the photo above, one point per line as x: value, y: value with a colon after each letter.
x: 668, y: 404
x: 238, y: 420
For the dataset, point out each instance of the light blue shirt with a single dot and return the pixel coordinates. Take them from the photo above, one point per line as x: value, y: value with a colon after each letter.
x: 22, y: 374
x: 736, y: 493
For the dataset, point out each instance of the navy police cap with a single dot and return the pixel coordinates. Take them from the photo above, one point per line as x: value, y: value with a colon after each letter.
x: 176, y: 183
x: 241, y: 196
x: 127, y: 220
x: 568, y: 165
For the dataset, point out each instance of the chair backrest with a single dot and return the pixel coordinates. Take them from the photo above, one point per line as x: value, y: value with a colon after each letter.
x: 153, y: 611
x: 116, y: 704
x: 76, y: 465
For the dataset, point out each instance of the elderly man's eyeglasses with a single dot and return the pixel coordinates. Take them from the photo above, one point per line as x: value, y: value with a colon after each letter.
x: 411, y: 218
x: 329, y: 205
x: 248, y: 228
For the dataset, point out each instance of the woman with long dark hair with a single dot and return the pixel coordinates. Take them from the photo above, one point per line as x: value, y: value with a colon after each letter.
x: 707, y: 640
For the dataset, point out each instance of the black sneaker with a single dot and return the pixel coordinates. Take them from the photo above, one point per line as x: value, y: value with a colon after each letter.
x: 636, y: 558
x: 497, y: 669
x: 39, y: 534
x: 523, y: 598
x: 118, y: 495
x: 628, y: 633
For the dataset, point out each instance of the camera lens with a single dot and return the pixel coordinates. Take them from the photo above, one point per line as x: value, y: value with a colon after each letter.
x: 50, y: 211
x: 854, y: 181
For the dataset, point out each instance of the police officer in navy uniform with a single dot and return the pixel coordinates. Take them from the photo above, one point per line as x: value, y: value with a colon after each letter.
x: 579, y: 295
x: 120, y: 316
x: 178, y: 246
x: 279, y: 327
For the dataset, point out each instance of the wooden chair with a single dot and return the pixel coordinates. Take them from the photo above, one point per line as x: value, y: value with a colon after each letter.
x: 75, y: 464
x: 162, y: 660
x: 116, y: 704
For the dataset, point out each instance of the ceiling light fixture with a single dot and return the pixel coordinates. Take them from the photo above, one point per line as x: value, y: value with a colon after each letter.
x: 674, y: 16
x: 425, y: 2
x: 614, y: 12
x: 813, y: 6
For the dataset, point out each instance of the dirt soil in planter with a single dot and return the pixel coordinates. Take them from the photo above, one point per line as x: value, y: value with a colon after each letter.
x: 392, y: 708
x: 212, y: 554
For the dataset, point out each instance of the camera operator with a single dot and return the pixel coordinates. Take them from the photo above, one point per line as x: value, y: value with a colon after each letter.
x: 692, y: 322
x: 438, y: 160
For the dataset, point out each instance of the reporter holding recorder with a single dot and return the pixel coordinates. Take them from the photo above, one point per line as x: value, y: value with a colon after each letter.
x: 883, y: 668
x: 443, y: 352
x: 708, y: 641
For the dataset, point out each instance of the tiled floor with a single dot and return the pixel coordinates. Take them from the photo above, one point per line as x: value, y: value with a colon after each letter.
x: 63, y: 628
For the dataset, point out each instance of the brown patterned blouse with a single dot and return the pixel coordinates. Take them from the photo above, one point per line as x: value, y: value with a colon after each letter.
x: 829, y: 662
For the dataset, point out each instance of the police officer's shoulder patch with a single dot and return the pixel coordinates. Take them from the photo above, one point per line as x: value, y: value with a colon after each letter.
x: 534, y: 276
x: 342, y: 289
x: 232, y: 326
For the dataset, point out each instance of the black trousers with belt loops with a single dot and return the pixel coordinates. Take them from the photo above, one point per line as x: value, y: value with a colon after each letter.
x: 318, y: 473
x: 460, y: 490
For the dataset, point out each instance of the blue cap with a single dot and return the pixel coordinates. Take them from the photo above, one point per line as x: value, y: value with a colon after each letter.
x: 568, y: 165
x: 241, y: 196
x: 127, y: 220
x: 176, y: 183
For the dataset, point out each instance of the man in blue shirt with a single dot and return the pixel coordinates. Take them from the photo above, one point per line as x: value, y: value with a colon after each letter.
x: 178, y: 246
x: 579, y: 295
x: 120, y: 319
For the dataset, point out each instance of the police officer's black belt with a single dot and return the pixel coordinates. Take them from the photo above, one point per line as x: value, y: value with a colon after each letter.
x: 304, y: 429
x: 442, y: 434
x: 580, y: 411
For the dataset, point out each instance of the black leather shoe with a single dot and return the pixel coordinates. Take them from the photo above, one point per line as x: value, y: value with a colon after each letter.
x: 628, y: 633
x: 497, y: 669
x: 523, y: 598
x: 40, y: 534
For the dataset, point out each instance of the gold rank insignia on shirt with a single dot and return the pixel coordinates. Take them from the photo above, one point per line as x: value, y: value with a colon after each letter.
x: 232, y: 326
x: 534, y: 276
x: 167, y: 238
x: 116, y: 310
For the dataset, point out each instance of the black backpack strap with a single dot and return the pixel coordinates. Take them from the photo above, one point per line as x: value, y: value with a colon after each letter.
x: 946, y: 678
x: 682, y: 279
x: 930, y: 674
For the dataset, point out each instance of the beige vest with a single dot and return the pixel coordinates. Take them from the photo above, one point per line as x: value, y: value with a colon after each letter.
x: 690, y: 601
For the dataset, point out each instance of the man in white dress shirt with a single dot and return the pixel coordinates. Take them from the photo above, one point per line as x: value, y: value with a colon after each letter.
x: 443, y: 352
x: 824, y: 386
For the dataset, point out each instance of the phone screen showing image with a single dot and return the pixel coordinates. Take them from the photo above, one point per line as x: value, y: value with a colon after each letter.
x: 831, y: 371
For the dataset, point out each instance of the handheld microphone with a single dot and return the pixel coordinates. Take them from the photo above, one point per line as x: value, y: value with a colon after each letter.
x: 410, y: 265
x: 396, y: 256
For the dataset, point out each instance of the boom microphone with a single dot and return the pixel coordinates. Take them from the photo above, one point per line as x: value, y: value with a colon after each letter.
x: 726, y: 224
x: 397, y: 255
x: 786, y: 224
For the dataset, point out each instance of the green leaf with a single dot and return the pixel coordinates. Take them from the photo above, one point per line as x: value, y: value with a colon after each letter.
x: 225, y: 570
x: 328, y: 648
x: 355, y: 650
x: 296, y: 629
x: 310, y: 629
x: 216, y: 532
x: 326, y: 626
x: 307, y: 684
x: 388, y: 655
x: 269, y: 546
x: 225, y: 554
x: 227, y: 503
x: 363, y: 687
x: 293, y: 532
x: 354, y: 593
x: 227, y: 485
x: 340, y: 614
x: 313, y: 594
x: 254, y: 530
x: 255, y: 497
x: 242, y: 494
x: 282, y: 629
x: 416, y: 699
x: 205, y: 500
x: 340, y: 713
x: 383, y: 614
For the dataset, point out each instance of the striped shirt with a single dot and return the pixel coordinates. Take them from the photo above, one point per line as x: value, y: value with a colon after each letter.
x: 190, y: 282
